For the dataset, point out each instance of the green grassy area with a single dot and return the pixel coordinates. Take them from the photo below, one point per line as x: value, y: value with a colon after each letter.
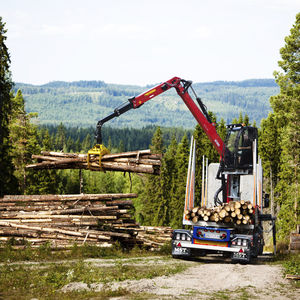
x: 44, y: 281
x: 44, y: 253
x: 21, y: 277
x: 291, y: 265
x: 244, y: 293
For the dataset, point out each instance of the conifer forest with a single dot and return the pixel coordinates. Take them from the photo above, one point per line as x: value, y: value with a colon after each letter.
x: 160, y: 198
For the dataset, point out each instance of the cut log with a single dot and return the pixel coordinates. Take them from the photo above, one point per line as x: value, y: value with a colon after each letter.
x: 79, y: 197
x: 195, y: 210
x: 195, y: 219
x: 134, y: 161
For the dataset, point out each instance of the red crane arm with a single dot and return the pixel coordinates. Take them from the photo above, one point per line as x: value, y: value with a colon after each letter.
x: 181, y: 90
x: 181, y: 86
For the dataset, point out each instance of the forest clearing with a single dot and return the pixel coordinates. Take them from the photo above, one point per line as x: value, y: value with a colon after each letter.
x: 206, y: 208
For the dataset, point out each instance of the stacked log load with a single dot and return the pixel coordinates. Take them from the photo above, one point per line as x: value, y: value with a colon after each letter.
x: 142, y: 161
x: 63, y: 220
x: 236, y: 212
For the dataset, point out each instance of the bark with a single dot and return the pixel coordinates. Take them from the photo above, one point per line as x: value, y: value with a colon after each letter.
x: 135, y: 161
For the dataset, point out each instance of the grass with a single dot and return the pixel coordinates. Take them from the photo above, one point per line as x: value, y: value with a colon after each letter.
x: 45, y: 253
x: 291, y: 265
x: 242, y: 293
x: 45, y: 280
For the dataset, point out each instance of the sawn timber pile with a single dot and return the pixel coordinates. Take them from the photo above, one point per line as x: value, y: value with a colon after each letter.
x: 135, y: 161
x: 63, y: 220
x: 235, y: 212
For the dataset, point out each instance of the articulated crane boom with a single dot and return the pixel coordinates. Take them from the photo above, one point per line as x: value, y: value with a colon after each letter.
x: 181, y: 86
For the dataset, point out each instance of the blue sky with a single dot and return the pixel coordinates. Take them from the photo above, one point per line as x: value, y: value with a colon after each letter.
x: 145, y: 42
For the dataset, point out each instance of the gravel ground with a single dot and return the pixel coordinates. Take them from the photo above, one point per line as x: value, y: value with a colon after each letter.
x: 209, y: 278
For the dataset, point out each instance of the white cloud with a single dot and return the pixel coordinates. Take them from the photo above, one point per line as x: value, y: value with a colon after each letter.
x: 129, y: 31
x: 66, y: 29
x: 201, y: 32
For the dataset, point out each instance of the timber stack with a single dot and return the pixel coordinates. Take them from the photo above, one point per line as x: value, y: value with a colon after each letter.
x: 154, y: 237
x: 235, y: 212
x: 142, y: 161
x: 65, y: 220
x: 62, y: 220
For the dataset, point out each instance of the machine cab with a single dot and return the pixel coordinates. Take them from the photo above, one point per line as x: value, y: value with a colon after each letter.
x: 239, y: 147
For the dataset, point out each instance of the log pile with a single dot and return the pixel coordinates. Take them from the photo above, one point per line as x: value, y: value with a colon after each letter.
x: 63, y: 220
x: 234, y: 212
x: 135, y: 161
x: 154, y: 237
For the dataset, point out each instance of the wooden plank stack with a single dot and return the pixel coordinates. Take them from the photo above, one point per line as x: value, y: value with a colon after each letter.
x: 63, y: 220
x: 135, y: 161
x: 235, y: 212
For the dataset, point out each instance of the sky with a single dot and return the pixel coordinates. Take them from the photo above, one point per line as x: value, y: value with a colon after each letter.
x: 143, y: 42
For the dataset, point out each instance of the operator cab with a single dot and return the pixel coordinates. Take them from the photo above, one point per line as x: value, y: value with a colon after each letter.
x: 239, y: 143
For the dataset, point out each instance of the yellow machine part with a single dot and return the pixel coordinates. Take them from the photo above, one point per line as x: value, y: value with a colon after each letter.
x: 98, y: 149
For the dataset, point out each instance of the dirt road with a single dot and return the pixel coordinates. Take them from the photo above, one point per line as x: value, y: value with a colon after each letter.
x: 208, y: 278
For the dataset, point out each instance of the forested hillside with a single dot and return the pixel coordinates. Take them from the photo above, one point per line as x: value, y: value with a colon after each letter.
x: 83, y: 103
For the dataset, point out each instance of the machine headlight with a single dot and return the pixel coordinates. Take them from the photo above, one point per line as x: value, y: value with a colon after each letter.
x: 183, y: 237
x: 177, y: 236
x: 244, y: 243
x: 239, y: 242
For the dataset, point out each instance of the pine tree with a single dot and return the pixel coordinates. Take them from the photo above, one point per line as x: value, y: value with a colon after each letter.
x: 269, y: 146
x: 121, y: 147
x: 240, y: 119
x: 205, y: 147
x: 86, y: 143
x: 246, y: 120
x: 168, y: 174
x: 153, y: 188
x: 286, y: 119
x: 179, y: 183
x: 221, y: 129
x: 60, y: 141
x: 8, y: 182
x: 25, y: 140
x: 19, y: 135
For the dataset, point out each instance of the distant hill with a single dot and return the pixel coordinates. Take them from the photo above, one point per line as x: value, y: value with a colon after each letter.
x: 83, y: 103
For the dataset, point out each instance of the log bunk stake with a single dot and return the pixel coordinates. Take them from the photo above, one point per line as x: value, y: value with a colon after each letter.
x: 63, y: 220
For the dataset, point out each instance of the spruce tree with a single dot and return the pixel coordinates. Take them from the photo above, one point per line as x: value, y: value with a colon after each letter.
x: 269, y: 146
x: 286, y: 120
x: 8, y: 182
x: 60, y: 141
x: 179, y: 183
x: 205, y: 147
x: 153, y: 187
x: 168, y: 174
x: 19, y: 135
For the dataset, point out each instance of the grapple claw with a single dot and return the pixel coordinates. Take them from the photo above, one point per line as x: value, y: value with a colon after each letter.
x: 98, y: 149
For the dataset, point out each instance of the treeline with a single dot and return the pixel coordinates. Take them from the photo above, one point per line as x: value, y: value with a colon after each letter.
x: 83, y: 103
x: 78, y: 139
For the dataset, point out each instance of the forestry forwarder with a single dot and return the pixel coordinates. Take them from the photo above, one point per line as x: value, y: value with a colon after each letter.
x: 239, y: 169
